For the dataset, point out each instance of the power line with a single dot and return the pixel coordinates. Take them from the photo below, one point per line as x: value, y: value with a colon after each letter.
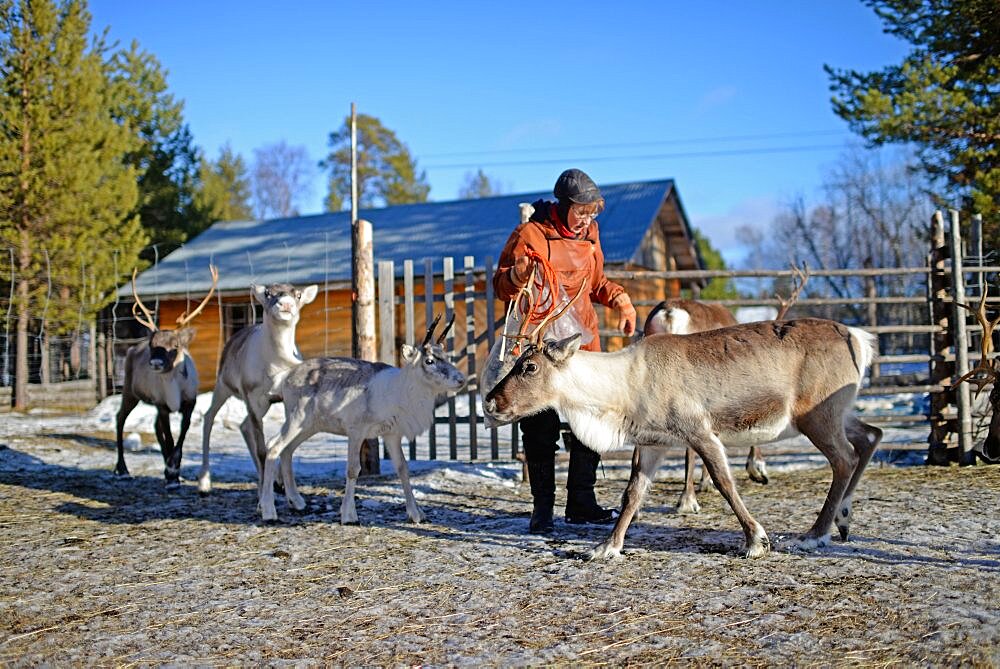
x: 658, y: 156
x: 624, y: 145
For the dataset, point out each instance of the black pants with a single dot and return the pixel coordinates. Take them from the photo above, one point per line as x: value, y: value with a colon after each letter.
x: 540, y: 435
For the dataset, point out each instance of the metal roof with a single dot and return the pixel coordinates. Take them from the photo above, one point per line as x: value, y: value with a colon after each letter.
x: 317, y: 249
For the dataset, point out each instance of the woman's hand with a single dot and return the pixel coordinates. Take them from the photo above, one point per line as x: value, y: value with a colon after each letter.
x: 521, y: 271
x: 626, y: 314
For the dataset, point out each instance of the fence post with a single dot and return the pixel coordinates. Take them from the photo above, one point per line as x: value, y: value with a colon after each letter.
x: 429, y: 318
x: 871, y: 292
x: 961, y: 344
x: 408, y: 324
x: 490, y: 340
x: 941, y: 370
x: 449, y: 311
x: 470, y: 353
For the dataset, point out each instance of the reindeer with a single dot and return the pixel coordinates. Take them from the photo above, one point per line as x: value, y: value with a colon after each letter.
x: 160, y: 372
x: 679, y: 316
x: 361, y: 400
x: 747, y: 384
x: 253, y: 365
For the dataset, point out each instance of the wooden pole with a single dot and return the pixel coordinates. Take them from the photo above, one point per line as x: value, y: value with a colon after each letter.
x: 362, y: 292
x: 941, y: 370
x: 961, y: 343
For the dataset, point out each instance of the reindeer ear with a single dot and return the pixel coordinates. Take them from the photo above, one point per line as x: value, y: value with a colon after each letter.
x: 558, y: 351
x: 258, y: 293
x: 309, y: 293
x: 185, y: 335
x: 410, y: 353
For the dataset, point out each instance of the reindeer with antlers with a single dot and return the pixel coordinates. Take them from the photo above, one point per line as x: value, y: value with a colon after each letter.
x: 160, y: 372
x: 361, y: 400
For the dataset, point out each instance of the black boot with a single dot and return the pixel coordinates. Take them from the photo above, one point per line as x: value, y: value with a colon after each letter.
x: 581, y: 504
x: 542, y: 477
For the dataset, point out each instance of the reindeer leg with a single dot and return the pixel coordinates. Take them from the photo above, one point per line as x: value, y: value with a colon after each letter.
x: 166, y: 445
x: 756, y: 467
x: 129, y: 403
x: 292, y: 433
x: 844, y: 461
x: 187, y: 408
x: 393, y: 443
x: 219, y: 397
x: 713, y: 455
x: 348, y: 511
x: 645, y: 461
x: 688, y: 502
x: 865, y: 439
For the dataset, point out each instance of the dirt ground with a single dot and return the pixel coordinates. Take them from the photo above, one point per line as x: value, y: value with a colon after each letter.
x: 102, y: 572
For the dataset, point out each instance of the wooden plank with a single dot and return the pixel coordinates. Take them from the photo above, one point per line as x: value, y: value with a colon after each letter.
x: 448, y: 274
x: 470, y: 352
x: 408, y: 320
x: 490, y: 340
x: 386, y: 312
x: 429, y: 317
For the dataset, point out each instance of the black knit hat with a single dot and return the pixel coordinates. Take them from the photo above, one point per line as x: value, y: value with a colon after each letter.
x: 574, y: 185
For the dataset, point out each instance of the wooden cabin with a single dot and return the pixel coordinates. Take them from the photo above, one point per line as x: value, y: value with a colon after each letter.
x: 643, y: 226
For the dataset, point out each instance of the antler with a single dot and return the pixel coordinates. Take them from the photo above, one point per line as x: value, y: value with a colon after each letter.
x: 186, y: 317
x: 447, y: 327
x: 430, y: 331
x: 148, y: 321
x: 986, y: 365
x: 539, y: 331
x: 802, y: 276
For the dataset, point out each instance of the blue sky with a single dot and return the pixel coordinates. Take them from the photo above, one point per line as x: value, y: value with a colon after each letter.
x: 727, y: 98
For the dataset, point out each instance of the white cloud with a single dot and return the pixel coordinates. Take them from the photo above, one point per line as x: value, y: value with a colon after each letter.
x: 530, y: 131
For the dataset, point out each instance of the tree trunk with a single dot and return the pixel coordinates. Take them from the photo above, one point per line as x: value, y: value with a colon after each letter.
x: 21, y: 366
x: 992, y: 445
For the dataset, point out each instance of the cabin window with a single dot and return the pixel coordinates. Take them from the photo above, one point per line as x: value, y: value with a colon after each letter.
x: 236, y: 316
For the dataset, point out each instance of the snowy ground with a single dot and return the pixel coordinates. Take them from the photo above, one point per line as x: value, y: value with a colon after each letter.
x: 100, y: 571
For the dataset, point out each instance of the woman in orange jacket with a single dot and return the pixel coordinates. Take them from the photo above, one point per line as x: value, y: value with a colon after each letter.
x: 566, y: 234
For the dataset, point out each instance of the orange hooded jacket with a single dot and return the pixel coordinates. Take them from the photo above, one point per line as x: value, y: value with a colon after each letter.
x: 574, y: 260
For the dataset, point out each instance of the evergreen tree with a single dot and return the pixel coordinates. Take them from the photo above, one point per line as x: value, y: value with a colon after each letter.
x: 943, y: 98
x: 387, y: 173
x: 477, y: 185
x: 224, y: 189
x: 718, y: 288
x: 166, y: 160
x: 65, y: 194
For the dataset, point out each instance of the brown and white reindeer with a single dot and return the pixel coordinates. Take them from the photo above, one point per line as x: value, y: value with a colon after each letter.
x: 361, y: 400
x: 160, y: 372
x: 742, y: 385
x: 680, y: 316
x: 254, y: 362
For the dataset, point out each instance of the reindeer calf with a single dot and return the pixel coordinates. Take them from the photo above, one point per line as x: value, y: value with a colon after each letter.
x: 361, y: 400
x: 254, y: 362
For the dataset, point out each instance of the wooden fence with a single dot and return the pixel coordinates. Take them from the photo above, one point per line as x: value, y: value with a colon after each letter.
x: 911, y: 310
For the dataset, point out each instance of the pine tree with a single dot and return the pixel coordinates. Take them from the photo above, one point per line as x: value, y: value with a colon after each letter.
x: 478, y: 184
x: 224, y: 190
x: 165, y: 160
x: 65, y: 193
x: 387, y: 173
x: 942, y: 98
x: 718, y: 288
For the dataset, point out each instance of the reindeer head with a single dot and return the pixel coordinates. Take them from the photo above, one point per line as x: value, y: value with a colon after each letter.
x: 283, y: 301
x: 532, y: 384
x: 167, y: 348
x: 432, y: 362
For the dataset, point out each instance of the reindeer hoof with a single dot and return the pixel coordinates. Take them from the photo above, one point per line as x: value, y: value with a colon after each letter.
x: 122, y: 473
x: 809, y: 543
x: 688, y: 506
x: 605, y: 551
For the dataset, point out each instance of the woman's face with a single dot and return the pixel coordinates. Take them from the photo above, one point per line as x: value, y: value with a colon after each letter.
x: 580, y: 216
